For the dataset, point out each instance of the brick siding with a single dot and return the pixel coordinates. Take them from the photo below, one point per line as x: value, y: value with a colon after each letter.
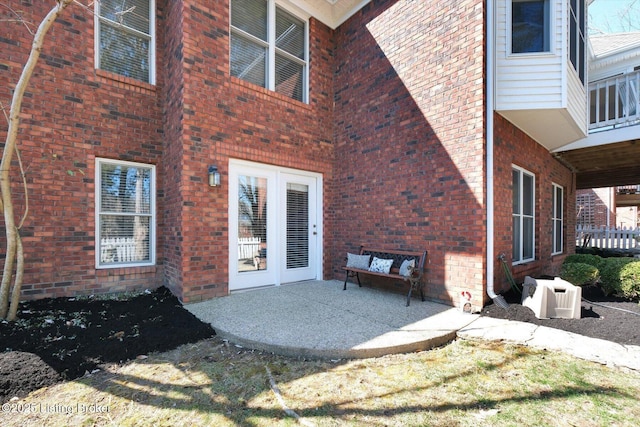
x: 514, y: 147
x: 71, y: 115
x: 409, y: 138
x: 394, y: 123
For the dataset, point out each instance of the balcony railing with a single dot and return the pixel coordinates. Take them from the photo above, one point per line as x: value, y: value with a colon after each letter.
x: 628, y: 189
x: 615, y: 102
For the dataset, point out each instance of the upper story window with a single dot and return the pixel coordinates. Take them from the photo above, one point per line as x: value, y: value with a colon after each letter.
x: 269, y: 47
x: 577, y: 44
x: 557, y: 218
x: 125, y: 38
x: 523, y: 215
x: 530, y: 26
x: 125, y: 214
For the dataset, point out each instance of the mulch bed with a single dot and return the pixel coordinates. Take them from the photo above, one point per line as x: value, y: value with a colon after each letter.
x: 604, y: 317
x: 61, y: 339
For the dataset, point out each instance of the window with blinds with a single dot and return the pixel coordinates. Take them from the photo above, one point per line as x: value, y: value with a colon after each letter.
x: 523, y: 215
x: 125, y: 212
x: 125, y: 38
x: 557, y: 219
x: 269, y: 47
x: 297, y: 225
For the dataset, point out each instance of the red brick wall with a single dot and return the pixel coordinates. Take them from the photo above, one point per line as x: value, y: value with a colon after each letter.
x: 226, y: 118
x: 410, y: 140
x: 395, y: 123
x: 171, y: 228
x: 71, y: 115
x: 514, y: 147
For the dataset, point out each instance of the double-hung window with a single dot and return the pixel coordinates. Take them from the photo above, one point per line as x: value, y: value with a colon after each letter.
x: 125, y: 214
x: 269, y: 47
x: 557, y: 218
x: 523, y: 215
x: 125, y: 38
x: 577, y: 39
x: 530, y: 26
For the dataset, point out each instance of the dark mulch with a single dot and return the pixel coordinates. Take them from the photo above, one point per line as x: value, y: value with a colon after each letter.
x: 61, y: 339
x: 604, y: 317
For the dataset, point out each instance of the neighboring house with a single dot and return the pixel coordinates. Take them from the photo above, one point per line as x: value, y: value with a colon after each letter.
x: 329, y: 124
x: 608, y: 207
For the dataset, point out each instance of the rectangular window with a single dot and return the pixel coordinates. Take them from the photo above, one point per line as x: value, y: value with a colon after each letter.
x: 125, y: 38
x: 125, y: 214
x: 530, y: 26
x: 577, y: 44
x: 557, y: 219
x: 523, y: 215
x: 269, y: 47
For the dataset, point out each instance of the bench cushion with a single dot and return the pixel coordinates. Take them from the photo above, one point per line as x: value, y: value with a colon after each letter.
x: 379, y: 265
x: 358, y: 261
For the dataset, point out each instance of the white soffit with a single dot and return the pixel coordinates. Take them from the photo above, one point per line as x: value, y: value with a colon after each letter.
x: 330, y: 12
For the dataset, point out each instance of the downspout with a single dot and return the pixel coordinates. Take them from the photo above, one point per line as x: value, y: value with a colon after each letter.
x: 490, y: 47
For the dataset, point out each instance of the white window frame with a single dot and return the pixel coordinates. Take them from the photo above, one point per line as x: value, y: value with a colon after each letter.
x: 549, y: 17
x: 577, y: 17
x: 98, y: 20
x: 521, y: 216
x: 557, y: 218
x: 270, y: 77
x: 98, y: 212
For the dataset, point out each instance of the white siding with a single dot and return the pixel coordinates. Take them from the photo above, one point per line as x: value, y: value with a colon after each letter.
x: 525, y: 81
x: 578, y: 99
x: 540, y: 93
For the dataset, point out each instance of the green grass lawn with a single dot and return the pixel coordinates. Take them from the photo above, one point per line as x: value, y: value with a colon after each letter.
x: 462, y: 384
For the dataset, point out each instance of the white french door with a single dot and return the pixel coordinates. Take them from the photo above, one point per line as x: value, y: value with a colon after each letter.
x: 274, y: 229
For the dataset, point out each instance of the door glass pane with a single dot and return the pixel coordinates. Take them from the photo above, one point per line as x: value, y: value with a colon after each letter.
x: 252, y: 223
x: 297, y: 225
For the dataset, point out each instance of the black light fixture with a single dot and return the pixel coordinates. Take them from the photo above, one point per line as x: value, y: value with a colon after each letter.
x: 214, y: 176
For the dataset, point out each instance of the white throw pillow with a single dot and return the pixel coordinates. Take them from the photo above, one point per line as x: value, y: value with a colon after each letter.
x: 379, y: 265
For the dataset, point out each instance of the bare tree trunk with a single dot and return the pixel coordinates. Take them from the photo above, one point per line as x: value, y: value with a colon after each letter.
x: 14, y: 245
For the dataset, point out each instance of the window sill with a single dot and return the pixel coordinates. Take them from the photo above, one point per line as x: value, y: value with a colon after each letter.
x: 116, y: 270
x: 531, y: 55
x: 125, y: 82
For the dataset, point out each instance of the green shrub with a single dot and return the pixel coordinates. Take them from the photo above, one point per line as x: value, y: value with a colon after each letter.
x: 578, y: 273
x: 610, y: 274
x: 594, y: 260
x: 630, y: 280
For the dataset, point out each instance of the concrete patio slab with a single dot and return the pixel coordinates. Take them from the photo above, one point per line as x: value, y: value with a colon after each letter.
x: 318, y: 319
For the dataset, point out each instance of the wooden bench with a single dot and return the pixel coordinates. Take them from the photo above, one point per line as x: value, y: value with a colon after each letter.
x: 415, y: 274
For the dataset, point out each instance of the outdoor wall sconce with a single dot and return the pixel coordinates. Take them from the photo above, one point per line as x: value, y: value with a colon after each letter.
x: 214, y: 176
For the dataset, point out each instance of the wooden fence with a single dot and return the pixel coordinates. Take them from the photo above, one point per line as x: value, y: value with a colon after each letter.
x: 608, y: 237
